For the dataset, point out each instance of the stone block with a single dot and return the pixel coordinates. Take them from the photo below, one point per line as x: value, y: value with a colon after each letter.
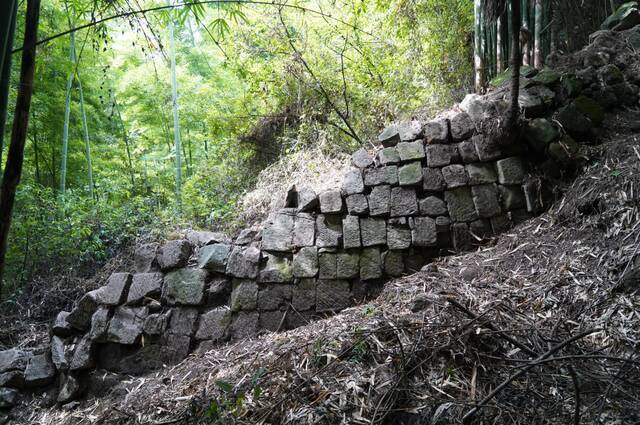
x: 410, y: 174
x: 202, y: 238
x: 433, y: 206
x: 306, y: 199
x: 247, y: 236
x: 393, y: 263
x: 303, y: 295
x: 390, y: 136
x: 352, y: 183
x: 532, y: 196
x: 441, y: 155
x: 305, y: 262
x: 455, y: 176
x: 277, y: 234
x: 99, y: 324
x: 487, y: 148
x: 183, y: 321
x: 13, y: 359
x: 115, y: 291
x: 214, y: 324
x: 243, y: 262
x: 304, y: 230
x: 398, y: 233
x: 361, y: 159
x: 373, y: 231
x: 80, y: 316
x: 461, y: 126
x: 432, y: 180
x: 60, y: 353
x: 500, y: 224
x: 409, y: 130
x: 411, y: 151
x: 8, y: 399
x: 461, y: 237
x: 174, y: 254
x: 357, y: 204
x: 347, y: 265
x: 539, y: 133
x: 436, y: 131
x: 330, y: 202
x: 214, y: 257
x: 144, y: 258
x: 379, y: 201
x: 156, y: 324
x: 218, y: 292
x: 60, y: 325
x: 126, y: 325
x: 443, y: 230
x: 245, y: 324
x: 467, y: 151
x: 404, y: 202
x: 244, y: 295
x: 565, y: 151
x: 512, y: 197
x: 145, y: 285
x: 70, y: 389
x: 184, y: 287
x: 40, y: 371
x: 327, y: 265
x: 510, y: 170
x: 481, y: 173
x: 83, y: 356
x: 328, y: 231
x: 485, y: 198
x: 274, y: 297
x: 388, y: 156
x: 273, y: 321
x: 574, y: 122
x: 481, y: 229
x: 276, y: 269
x: 460, y: 204
x: 423, y: 231
x: 332, y: 295
x: 370, y: 264
x: 384, y: 175
x: 351, y: 232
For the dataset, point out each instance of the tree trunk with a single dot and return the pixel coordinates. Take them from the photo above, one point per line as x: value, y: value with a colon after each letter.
x: 526, y: 59
x: 499, y: 52
x: 514, y: 109
x: 87, y: 144
x: 538, y: 60
x: 125, y: 136
x: 36, y: 152
x: 478, y: 61
x: 67, y: 113
x: 176, y: 120
x: 15, y: 158
x: 7, y: 32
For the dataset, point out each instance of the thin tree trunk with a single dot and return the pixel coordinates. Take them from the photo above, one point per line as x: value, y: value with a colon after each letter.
x: 125, y: 137
x: 87, y: 144
x: 67, y: 113
x: 15, y: 158
x: 499, y: 52
x: 7, y: 32
x: 555, y: 25
x: 176, y: 120
x: 526, y: 60
x: 538, y: 60
x: 514, y: 109
x: 36, y: 152
x: 477, y: 54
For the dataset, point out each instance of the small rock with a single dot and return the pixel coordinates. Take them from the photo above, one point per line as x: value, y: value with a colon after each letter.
x: 469, y: 273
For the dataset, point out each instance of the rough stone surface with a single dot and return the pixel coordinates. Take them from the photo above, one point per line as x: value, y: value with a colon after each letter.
x: 304, y: 230
x: 352, y: 183
x: 436, y: 132
x: 510, y: 170
x: 201, y: 238
x: 218, y: 292
x: 327, y: 265
x: 347, y: 265
x: 383, y: 175
x: 303, y: 296
x: 174, y: 254
x: 126, y: 325
x: 512, y: 197
x: 80, y: 316
x: 388, y: 156
x: 574, y: 122
x: 460, y: 204
x: 305, y: 262
x: 328, y: 231
x: 539, y: 133
x: 214, y: 257
x: 276, y: 269
x: 462, y: 126
x: 370, y: 264
x: 13, y: 359
x: 398, y: 233
x: 306, y: 199
x: 441, y: 155
x: 403, y: 202
x: 99, y: 324
x: 8, y: 398
x: 332, y: 295
x: 461, y: 236
x: 373, y: 231
x: 433, y: 206
x: 409, y: 130
x: 411, y: 151
x: 144, y: 258
x: 481, y: 173
x: 485, y: 198
x: 379, y: 201
x: 246, y: 236
x: 115, y: 291
x: 357, y: 204
x: 183, y: 321
x: 351, y: 232
x: 60, y: 325
x: 184, y: 287
x: 393, y: 263
x: 277, y: 234
x: 59, y: 353
x: 273, y: 321
x: 245, y: 324
x: 156, y: 324
x: 330, y: 202
x: 145, y: 285
x: 500, y: 224
x: 455, y: 176
x: 423, y: 231
x: 432, y: 180
x: 467, y: 151
x: 361, y: 159
x: 244, y: 262
x: 274, y: 297
x: 69, y: 390
x: 214, y: 324
x: 410, y: 174
x: 244, y: 295
x: 83, y: 356
x: 488, y: 149
x: 390, y: 136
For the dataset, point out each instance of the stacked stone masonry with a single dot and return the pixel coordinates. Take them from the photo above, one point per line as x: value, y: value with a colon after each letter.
x: 432, y: 188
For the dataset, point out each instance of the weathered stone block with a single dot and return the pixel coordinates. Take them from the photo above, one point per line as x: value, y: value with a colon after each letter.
x: 247, y: 236
x: 245, y: 324
x: 144, y: 258
x: 40, y: 371
x: 410, y: 174
x: 303, y: 295
x: 305, y: 262
x: 532, y: 196
x: 432, y: 180
x: 411, y: 151
x: 60, y: 353
x: 60, y: 325
x: 390, y: 136
x: 436, y: 131
x: 351, y: 232
x: 327, y: 265
x: 273, y: 321
x: 330, y: 202
x: 373, y: 231
x: 13, y: 359
x: 388, y: 156
x: 461, y: 126
x: 332, y: 295
x: 510, y: 170
x: 218, y: 292
x: 361, y: 159
x: 379, y: 201
x: 214, y: 324
x: 443, y: 230
x: 398, y: 233
x: 433, y: 206
x: 357, y: 204
x: 500, y: 224
x: 184, y: 287
x: 539, y: 133
x: 69, y: 390
x: 174, y: 254
x: 99, y: 324
x: 404, y: 202
x: 352, y: 182
x: 481, y: 173
x: 202, y: 238
x: 460, y: 204
x: 277, y: 234
x: 276, y: 269
x: 485, y: 198
x: 80, y: 316
x: 304, y: 230
x: 370, y: 264
x: 487, y: 148
x: 83, y: 356
x: 423, y: 231
x: 461, y: 237
x: 126, y: 325
x: 8, y: 399
x: 409, y: 130
x: 441, y: 155
x: 244, y: 295
x: 274, y: 297
x: 467, y: 151
x: 573, y: 121
x: 183, y: 321
x: 145, y: 285
x: 455, y: 176
x: 481, y: 228
x: 393, y: 263
x: 383, y: 175
x: 512, y: 197
x: 306, y: 199
x: 214, y: 257
x: 243, y: 262
x: 328, y: 231
x: 156, y: 324
x: 347, y: 265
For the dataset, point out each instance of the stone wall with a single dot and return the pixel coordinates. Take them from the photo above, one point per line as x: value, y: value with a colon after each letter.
x: 430, y: 189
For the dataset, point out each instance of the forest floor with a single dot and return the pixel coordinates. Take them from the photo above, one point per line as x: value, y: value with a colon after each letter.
x: 542, y: 325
